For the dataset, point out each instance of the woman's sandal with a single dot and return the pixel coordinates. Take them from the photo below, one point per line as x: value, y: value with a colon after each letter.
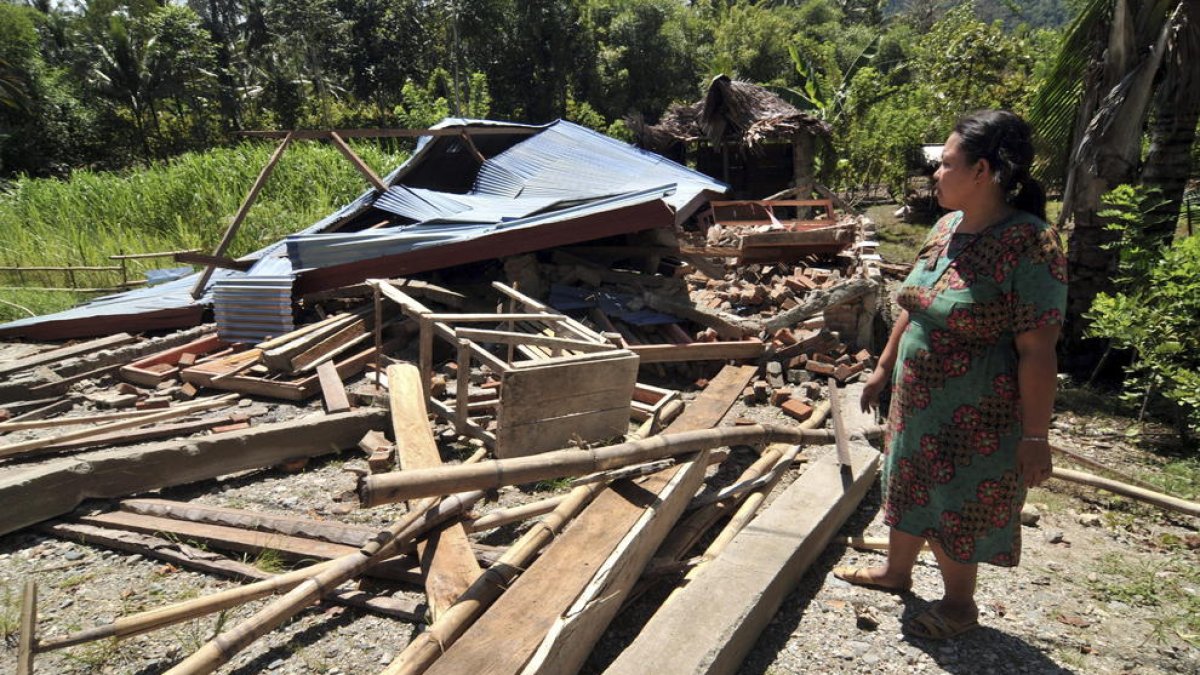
x: 932, y: 624
x: 859, y: 576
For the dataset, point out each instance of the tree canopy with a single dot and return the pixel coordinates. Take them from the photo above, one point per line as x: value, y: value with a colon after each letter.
x: 110, y: 83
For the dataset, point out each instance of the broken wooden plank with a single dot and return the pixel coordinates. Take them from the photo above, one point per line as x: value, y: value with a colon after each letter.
x: 141, y: 372
x: 333, y: 392
x: 231, y: 231
x: 221, y: 536
x: 207, y: 374
x: 56, y: 487
x: 131, y: 436
x: 508, y: 635
x: 700, y: 351
x: 189, y: 557
x: 839, y: 425
x: 59, y: 386
x: 425, y: 648
x: 419, y: 519
x: 14, y: 449
x: 44, y: 411
x: 711, y: 624
x: 321, y: 530
x: 53, y: 355
x: 446, y: 556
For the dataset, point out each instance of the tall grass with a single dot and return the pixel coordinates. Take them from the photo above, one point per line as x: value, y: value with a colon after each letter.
x: 183, y: 203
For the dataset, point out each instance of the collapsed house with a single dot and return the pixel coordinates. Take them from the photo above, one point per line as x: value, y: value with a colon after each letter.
x: 632, y: 304
x: 749, y: 137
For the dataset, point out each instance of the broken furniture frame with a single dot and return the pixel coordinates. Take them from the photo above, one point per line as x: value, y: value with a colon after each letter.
x: 734, y: 213
x: 541, y: 404
x: 794, y: 238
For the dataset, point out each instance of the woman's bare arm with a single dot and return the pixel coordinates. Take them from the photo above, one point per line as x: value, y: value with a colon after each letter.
x: 1037, y: 380
x: 883, y: 369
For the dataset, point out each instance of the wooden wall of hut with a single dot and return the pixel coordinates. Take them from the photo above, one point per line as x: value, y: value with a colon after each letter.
x: 752, y: 174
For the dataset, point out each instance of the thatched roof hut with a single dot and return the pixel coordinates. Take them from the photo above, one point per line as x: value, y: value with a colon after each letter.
x: 741, y: 133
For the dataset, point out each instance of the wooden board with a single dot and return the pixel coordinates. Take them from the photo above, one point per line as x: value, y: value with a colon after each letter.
x: 57, y: 486
x: 709, y: 625
x: 220, y: 536
x: 61, y: 353
x: 202, y: 375
x: 333, y: 392
x: 139, y: 372
x: 544, y: 435
x: 700, y: 351
x: 544, y: 407
x: 510, y: 633
x: 446, y: 557
x: 188, y: 557
x: 323, y: 530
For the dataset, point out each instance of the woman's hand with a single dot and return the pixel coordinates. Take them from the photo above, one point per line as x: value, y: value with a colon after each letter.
x: 1033, y: 462
x: 873, y: 388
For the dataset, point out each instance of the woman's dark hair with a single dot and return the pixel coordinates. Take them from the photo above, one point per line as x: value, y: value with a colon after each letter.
x: 1006, y: 142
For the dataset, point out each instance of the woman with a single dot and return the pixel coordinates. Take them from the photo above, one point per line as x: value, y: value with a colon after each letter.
x: 972, y: 363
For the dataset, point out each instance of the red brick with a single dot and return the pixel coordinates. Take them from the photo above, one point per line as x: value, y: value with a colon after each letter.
x: 797, y: 409
x: 236, y: 426
x: 785, y: 336
x: 779, y: 396
x: 153, y: 403
x: 819, y: 368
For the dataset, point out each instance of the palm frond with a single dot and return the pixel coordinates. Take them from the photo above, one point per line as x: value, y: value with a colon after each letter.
x: 1056, y: 103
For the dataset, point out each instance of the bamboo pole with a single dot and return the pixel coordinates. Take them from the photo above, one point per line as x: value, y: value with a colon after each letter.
x: 1093, y: 464
x: 501, y: 517
x: 689, y: 531
x: 751, y: 504
x: 223, y: 647
x: 386, y: 488
x: 1148, y: 496
x: 144, y: 622
x: 24, y: 446
x: 428, y: 646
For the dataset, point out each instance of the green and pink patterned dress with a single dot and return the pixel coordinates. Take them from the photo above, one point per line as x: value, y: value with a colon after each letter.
x: 954, y: 423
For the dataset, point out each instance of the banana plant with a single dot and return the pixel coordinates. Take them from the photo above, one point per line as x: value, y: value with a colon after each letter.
x: 816, y: 98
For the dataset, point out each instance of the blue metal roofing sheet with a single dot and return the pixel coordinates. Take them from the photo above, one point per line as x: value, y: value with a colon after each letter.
x: 323, y: 250
x: 559, y: 166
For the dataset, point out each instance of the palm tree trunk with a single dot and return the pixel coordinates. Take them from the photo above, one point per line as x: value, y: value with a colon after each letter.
x: 1173, y: 131
x: 1107, y: 156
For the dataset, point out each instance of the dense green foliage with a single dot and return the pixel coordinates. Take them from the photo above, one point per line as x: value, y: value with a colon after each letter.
x: 1156, y: 311
x: 111, y: 83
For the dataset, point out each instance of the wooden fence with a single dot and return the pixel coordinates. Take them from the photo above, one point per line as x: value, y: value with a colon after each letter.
x: 83, y: 278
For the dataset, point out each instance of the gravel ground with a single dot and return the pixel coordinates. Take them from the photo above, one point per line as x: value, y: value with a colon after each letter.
x: 1091, y: 595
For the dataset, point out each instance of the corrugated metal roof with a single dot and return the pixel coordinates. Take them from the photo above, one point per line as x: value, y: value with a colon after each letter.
x: 567, y: 161
x: 540, y: 179
x: 324, y: 250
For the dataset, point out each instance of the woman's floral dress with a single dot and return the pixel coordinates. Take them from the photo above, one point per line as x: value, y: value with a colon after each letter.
x: 950, y: 470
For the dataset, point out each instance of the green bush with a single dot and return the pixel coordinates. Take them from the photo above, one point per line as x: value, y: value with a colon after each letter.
x: 1156, y: 311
